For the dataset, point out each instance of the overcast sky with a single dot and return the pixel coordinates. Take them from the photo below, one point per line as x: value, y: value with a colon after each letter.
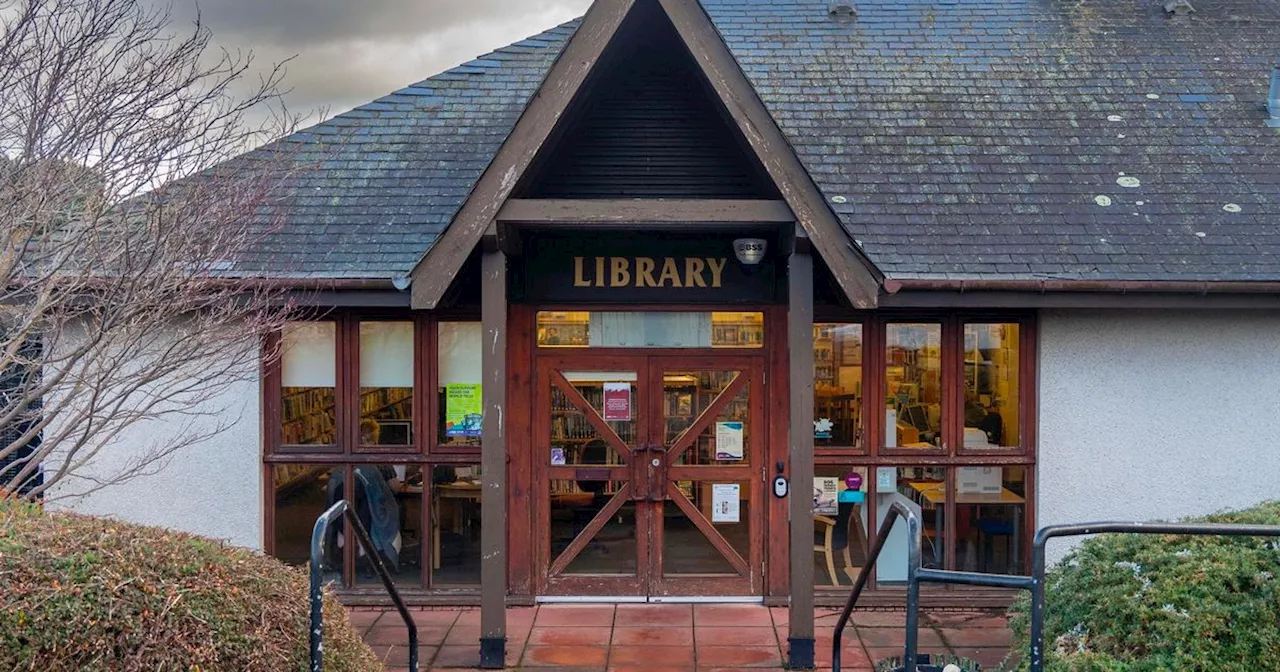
x: 349, y: 52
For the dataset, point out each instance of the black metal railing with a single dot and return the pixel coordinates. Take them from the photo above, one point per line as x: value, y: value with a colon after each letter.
x: 318, y: 536
x: 916, y: 574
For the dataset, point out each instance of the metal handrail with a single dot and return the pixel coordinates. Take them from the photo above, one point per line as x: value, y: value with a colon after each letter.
x: 318, y: 535
x: 1034, y: 583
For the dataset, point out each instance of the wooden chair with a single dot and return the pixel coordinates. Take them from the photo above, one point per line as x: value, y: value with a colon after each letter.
x: 843, y: 533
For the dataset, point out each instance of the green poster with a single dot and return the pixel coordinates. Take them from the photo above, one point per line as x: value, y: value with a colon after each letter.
x: 463, y: 409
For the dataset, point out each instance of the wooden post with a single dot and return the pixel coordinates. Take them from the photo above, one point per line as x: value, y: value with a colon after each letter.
x: 493, y: 460
x: 800, y: 345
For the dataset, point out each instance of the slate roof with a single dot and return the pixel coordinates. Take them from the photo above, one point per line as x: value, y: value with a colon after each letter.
x: 954, y: 138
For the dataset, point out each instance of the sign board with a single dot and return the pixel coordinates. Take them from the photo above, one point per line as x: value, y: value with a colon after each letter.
x: 463, y: 409
x: 826, y: 495
x: 725, y: 503
x: 623, y: 267
x: 729, y: 443
x: 617, y: 401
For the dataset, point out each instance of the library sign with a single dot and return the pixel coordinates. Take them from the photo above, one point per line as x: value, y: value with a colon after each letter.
x: 674, y: 270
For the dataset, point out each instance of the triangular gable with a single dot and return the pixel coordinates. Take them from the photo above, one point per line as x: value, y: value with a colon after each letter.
x: 434, y: 273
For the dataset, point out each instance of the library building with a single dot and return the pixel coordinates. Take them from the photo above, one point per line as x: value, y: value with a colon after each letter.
x: 674, y: 301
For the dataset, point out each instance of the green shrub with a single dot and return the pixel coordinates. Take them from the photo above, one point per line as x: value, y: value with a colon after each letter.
x: 82, y: 593
x: 1163, y: 602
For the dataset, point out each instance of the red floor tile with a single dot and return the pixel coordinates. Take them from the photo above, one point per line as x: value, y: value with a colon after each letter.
x: 649, y: 668
x: 425, y: 617
x: 652, y: 655
x: 652, y: 635
x: 569, y: 636
x: 464, y: 635
x: 896, y: 637
x: 731, y: 615
x: 738, y: 656
x: 978, y: 637
x: 780, y: 615
x: 457, y: 656
x: 575, y: 614
x: 966, y: 619
x: 741, y: 636
x: 427, y: 635
x: 565, y: 656
x: 363, y: 619
x: 665, y: 615
x: 876, y: 619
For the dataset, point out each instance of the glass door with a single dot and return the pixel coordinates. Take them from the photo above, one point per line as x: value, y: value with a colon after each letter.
x: 593, y: 512
x: 709, y: 525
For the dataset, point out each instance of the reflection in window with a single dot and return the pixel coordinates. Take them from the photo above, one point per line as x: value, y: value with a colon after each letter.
x: 302, y: 492
x: 837, y: 385
x: 455, y: 524
x: 990, y: 508
x: 309, y: 376
x: 458, y: 379
x: 839, y: 524
x: 913, y: 385
x: 650, y: 330
x: 386, y: 383
x: 924, y: 491
x: 990, y: 385
x: 388, y: 503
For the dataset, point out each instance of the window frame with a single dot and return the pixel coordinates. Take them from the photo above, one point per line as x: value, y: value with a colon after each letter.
x: 425, y: 451
x: 953, y: 455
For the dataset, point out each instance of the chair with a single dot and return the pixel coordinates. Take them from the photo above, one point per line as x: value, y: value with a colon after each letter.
x: 995, y: 527
x: 594, y: 452
x: 843, y: 533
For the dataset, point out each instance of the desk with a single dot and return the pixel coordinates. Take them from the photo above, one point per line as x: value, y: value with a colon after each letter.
x: 460, y: 492
x: 934, y: 495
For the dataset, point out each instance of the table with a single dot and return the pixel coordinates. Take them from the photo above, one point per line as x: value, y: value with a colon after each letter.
x: 459, y: 491
x: 935, y: 495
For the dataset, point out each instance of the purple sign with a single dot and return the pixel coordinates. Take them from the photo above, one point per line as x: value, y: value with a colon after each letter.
x: 853, y: 480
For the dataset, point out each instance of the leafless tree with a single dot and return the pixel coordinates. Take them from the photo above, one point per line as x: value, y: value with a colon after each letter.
x: 122, y: 309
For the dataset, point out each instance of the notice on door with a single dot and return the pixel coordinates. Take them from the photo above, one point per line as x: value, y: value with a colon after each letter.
x: 617, y: 401
x: 726, y: 503
x: 729, y: 441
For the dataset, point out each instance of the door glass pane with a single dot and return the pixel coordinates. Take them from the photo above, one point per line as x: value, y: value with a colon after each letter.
x: 837, y: 385
x: 726, y: 506
x: 651, y: 329
x: 990, y: 385
x: 388, y: 502
x: 386, y: 383
x: 686, y: 396
x: 574, y: 504
x: 913, y: 383
x: 991, y: 504
x: 574, y: 440
x: 840, y: 530
x: 455, y: 524
x: 302, y: 493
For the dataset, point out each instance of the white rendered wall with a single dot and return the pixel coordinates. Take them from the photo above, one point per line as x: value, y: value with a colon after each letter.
x: 1156, y: 415
x: 213, y: 489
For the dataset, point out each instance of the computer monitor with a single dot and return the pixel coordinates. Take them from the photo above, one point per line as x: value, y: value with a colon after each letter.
x: 915, y: 415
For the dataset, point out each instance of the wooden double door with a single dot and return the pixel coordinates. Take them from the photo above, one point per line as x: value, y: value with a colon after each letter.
x: 649, y: 476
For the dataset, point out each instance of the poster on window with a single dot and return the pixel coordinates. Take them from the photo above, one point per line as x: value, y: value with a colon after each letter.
x: 729, y: 441
x: 826, y: 496
x: 617, y: 401
x: 463, y: 409
x: 726, y: 502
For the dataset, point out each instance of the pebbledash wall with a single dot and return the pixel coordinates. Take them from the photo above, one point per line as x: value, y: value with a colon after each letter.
x: 213, y: 489
x: 1156, y: 415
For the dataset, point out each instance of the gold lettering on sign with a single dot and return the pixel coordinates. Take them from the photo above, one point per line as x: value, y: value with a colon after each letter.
x: 578, y: 279
x: 670, y: 272
x: 717, y: 270
x: 621, y: 272
x: 599, y: 271
x: 693, y: 268
x: 644, y: 272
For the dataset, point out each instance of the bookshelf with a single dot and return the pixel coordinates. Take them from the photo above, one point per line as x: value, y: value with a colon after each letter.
x: 837, y: 382
x: 307, y: 414
x: 685, y: 396
x: 571, y: 432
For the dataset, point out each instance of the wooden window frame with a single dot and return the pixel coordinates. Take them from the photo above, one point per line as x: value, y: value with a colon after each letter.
x: 425, y: 451
x: 954, y: 455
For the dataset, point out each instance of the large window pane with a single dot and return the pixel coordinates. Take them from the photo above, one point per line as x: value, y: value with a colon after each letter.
x: 913, y: 385
x: 923, y: 490
x: 991, y: 386
x: 650, y: 330
x: 840, y: 530
x: 455, y: 524
x: 388, y: 501
x: 991, y: 505
x: 459, y: 373
x: 309, y: 379
x: 386, y: 383
x: 837, y: 385
x: 301, y: 493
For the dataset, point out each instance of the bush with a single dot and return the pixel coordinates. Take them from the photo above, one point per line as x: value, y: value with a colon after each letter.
x: 1164, y: 602
x: 82, y: 593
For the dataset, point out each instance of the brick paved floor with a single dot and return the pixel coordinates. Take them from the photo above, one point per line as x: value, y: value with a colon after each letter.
x: 660, y: 637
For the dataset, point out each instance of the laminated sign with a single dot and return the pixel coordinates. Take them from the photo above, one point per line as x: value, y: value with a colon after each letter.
x: 463, y: 414
x: 617, y: 401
